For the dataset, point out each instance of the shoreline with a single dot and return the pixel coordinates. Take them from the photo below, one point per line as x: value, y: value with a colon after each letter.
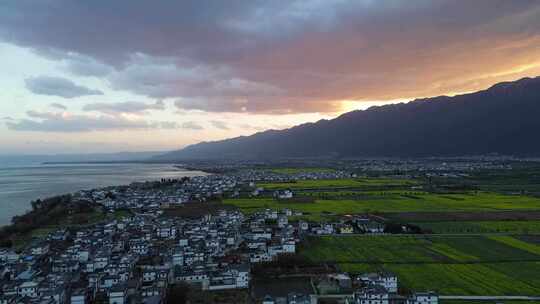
x: 16, y: 200
x: 107, y: 162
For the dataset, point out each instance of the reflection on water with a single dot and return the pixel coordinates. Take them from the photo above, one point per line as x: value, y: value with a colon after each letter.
x: 21, y: 184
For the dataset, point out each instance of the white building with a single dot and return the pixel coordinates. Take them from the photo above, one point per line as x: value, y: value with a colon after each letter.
x: 78, y: 297
x: 385, y: 279
x: 286, y: 194
x: 282, y: 221
x: 83, y: 255
x: 260, y: 257
x: 289, y: 246
x: 40, y: 249
x: 423, y: 298
x: 178, y: 259
x: 166, y: 232
x: 371, y: 295
x: 101, y: 262
x: 28, y: 289
x: 117, y: 296
x: 242, y: 276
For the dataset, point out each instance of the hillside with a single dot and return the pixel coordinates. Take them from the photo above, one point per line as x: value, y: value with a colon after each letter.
x: 503, y: 119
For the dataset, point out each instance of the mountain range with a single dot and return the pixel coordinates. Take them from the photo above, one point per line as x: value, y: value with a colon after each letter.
x: 503, y: 119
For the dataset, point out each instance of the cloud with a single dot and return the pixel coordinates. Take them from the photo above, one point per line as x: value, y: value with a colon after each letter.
x: 66, y: 122
x: 200, y: 86
x: 191, y: 125
x: 86, y: 66
x: 280, y: 126
x: 43, y: 115
x: 283, y: 57
x: 56, y: 86
x: 168, y: 125
x: 76, y: 63
x: 219, y: 124
x: 251, y: 127
x: 58, y: 106
x: 124, y: 107
x: 277, y: 105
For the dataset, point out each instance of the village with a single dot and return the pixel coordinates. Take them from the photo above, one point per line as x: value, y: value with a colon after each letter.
x: 136, y: 258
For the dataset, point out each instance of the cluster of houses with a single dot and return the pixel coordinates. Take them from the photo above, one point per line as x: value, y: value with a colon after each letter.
x: 358, y: 224
x: 434, y: 165
x: 368, y: 288
x: 155, y: 195
x: 277, y: 176
x: 382, y: 288
x: 134, y: 259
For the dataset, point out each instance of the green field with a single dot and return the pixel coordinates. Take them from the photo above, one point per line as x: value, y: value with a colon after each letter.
x: 465, y: 265
x: 516, y: 227
x: 397, y: 202
x: 450, y: 261
x: 300, y: 170
x: 485, y: 302
x: 513, y: 242
x: 338, y: 183
x: 523, y: 177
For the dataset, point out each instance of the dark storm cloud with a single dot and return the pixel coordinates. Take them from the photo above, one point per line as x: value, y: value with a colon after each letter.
x: 114, y: 30
x: 282, y: 56
x: 56, y: 86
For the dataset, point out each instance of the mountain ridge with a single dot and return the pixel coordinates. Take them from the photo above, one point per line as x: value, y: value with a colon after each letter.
x: 503, y: 118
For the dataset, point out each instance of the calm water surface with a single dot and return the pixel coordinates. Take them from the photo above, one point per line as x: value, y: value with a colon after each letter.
x: 20, y: 184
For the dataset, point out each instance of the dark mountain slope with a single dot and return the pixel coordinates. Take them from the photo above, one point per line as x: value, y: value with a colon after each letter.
x: 503, y: 119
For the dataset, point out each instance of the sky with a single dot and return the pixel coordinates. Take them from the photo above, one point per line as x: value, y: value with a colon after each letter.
x: 80, y: 76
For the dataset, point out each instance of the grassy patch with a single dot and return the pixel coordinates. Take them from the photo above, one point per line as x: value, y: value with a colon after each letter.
x: 77, y: 220
x: 471, y: 265
x: 510, y: 241
x: 397, y: 203
x: 452, y: 252
x: 484, y: 302
x: 414, y: 249
x: 519, y: 227
x: 337, y: 183
x: 301, y: 170
x: 120, y: 214
x: 462, y: 279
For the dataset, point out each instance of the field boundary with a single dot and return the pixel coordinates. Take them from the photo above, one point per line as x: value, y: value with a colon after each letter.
x: 442, y: 262
x: 490, y: 298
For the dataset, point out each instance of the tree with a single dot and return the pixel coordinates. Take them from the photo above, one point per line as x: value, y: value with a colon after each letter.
x: 36, y: 204
x: 6, y: 243
x: 393, y: 228
x: 177, y: 293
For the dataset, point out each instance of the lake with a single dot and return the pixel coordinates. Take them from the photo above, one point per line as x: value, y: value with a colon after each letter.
x: 20, y: 184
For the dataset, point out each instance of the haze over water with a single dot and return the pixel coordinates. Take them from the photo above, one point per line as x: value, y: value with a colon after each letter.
x: 20, y: 184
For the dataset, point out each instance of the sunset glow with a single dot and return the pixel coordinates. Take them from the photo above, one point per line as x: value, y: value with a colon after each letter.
x: 207, y: 73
